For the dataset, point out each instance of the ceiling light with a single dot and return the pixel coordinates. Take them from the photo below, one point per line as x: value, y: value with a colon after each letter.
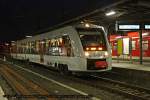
x: 87, y: 25
x: 81, y: 22
x: 110, y: 13
x: 6, y: 44
x: 12, y: 41
x: 28, y: 36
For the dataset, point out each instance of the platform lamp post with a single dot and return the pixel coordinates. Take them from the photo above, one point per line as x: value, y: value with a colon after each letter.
x: 28, y: 36
x: 110, y: 14
x: 141, y: 48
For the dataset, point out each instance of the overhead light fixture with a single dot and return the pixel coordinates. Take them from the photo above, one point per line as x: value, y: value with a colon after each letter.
x: 7, y: 44
x: 42, y: 42
x: 110, y: 13
x: 28, y: 36
x: 81, y: 22
x: 12, y: 41
x: 87, y: 25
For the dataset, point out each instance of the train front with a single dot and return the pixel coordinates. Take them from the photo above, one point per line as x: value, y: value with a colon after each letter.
x: 96, y: 48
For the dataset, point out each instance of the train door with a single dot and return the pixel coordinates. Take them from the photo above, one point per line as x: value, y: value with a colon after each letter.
x: 42, y: 50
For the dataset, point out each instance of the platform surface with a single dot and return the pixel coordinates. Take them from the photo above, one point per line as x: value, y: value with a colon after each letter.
x: 134, y: 65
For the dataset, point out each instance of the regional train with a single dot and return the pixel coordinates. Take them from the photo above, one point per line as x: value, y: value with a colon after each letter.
x: 76, y: 48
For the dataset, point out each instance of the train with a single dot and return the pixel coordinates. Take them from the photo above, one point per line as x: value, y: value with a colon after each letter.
x: 74, y: 48
x: 130, y: 45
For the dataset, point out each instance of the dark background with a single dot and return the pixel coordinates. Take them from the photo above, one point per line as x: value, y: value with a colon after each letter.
x: 19, y: 18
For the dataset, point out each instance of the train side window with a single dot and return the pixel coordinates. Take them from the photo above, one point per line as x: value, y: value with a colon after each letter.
x: 29, y: 48
x: 47, y: 46
x: 14, y: 48
x: 51, y: 49
x: 67, y: 46
x: 56, y: 47
x: 25, y: 48
x: 37, y: 46
x: 60, y: 46
x: 33, y: 47
x: 42, y: 47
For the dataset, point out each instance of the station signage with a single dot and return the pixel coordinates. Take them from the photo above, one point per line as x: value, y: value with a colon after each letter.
x: 128, y: 27
x: 147, y: 26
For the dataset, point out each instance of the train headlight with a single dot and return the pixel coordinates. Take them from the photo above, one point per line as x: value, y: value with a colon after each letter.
x: 87, y: 48
x: 100, y: 48
x: 86, y: 54
x: 93, y: 49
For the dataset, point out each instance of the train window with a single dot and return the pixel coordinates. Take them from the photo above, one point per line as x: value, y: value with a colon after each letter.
x: 28, y: 48
x: 68, y: 51
x: 92, y: 38
x: 60, y: 46
x: 47, y: 45
x: 14, y: 49
x: 37, y: 46
x: 21, y: 48
x: 24, y: 48
x: 33, y: 47
x: 42, y: 46
x: 52, y: 45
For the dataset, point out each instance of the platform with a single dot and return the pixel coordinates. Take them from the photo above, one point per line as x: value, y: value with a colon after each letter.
x: 134, y: 72
x: 128, y: 65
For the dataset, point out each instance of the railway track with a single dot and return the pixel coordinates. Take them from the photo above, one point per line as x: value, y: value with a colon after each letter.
x: 121, y: 88
x: 116, y: 87
x: 134, y: 92
x: 33, y: 90
x: 25, y: 89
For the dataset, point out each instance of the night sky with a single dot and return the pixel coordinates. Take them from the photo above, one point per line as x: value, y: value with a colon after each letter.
x: 23, y: 17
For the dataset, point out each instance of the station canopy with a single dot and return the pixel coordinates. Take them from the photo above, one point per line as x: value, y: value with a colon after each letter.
x: 124, y: 10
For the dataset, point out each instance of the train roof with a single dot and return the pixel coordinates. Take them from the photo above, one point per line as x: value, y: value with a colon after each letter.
x: 59, y: 30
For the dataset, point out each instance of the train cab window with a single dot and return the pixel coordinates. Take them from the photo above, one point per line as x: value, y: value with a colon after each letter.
x: 92, y: 38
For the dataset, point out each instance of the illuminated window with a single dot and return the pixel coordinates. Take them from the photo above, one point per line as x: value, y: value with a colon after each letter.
x: 145, y: 44
x: 133, y: 45
x: 60, y: 47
